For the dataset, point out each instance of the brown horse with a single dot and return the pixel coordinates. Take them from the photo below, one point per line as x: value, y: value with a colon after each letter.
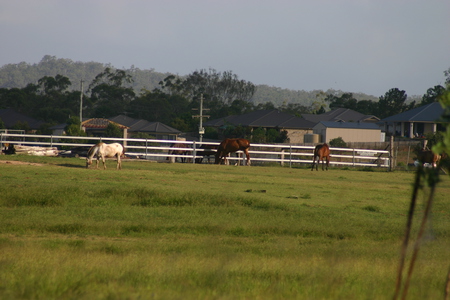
x: 321, y: 152
x: 208, y: 150
x: 232, y: 145
x: 175, y: 150
x: 427, y: 156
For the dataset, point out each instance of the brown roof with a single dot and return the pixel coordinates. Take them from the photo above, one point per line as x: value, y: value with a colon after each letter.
x: 101, y: 123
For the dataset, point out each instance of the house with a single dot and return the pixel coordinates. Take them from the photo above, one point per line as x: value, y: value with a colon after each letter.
x: 341, y: 115
x: 295, y: 127
x: 349, y: 131
x: 415, y: 122
x: 130, y: 127
x: 11, y: 118
x: 96, y: 126
x: 156, y: 129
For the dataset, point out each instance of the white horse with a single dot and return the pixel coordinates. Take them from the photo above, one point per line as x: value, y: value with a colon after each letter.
x: 102, y: 150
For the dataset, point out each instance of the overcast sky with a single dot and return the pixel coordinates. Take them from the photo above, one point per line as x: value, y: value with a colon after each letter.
x: 367, y: 46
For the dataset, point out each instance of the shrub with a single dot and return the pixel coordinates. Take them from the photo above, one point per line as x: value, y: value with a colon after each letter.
x: 338, y: 142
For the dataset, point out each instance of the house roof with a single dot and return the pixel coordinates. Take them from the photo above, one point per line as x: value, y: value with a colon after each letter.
x: 10, y: 117
x: 100, y: 123
x: 340, y: 114
x: 349, y: 125
x: 429, y: 113
x: 262, y: 118
x: 144, y: 125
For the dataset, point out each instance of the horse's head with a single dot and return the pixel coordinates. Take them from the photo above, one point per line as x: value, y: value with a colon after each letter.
x: 218, y: 158
x: 88, y: 162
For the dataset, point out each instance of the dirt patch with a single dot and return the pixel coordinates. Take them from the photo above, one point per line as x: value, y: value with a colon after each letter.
x: 13, y: 162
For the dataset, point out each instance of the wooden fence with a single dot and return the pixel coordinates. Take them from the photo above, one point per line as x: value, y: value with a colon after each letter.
x: 157, y: 150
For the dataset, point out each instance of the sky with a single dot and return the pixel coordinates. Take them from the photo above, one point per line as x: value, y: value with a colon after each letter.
x: 367, y: 46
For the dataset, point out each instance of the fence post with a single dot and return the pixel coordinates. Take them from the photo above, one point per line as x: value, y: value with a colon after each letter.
x: 391, y: 153
x: 407, y: 159
x: 146, y: 148
x: 282, y: 157
x: 290, y: 156
x: 194, y: 152
x: 353, y: 158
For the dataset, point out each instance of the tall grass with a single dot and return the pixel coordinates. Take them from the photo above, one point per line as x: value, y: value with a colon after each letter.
x: 170, y: 231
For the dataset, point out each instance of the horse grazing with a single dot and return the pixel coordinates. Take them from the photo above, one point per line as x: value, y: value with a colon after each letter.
x: 228, y: 146
x: 175, y: 150
x: 102, y: 150
x: 427, y: 156
x: 208, y: 150
x: 321, y: 152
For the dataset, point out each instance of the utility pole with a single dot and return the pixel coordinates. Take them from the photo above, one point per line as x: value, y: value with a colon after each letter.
x: 81, y: 104
x: 201, y: 130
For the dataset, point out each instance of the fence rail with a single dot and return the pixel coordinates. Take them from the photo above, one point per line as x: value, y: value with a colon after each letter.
x: 152, y: 149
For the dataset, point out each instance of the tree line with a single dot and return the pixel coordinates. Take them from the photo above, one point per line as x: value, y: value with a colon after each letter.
x: 111, y: 93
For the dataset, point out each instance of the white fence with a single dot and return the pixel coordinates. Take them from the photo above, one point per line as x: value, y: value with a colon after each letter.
x: 157, y: 150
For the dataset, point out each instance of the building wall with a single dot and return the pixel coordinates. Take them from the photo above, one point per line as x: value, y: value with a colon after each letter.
x: 297, y: 136
x: 354, y: 135
x: 348, y: 134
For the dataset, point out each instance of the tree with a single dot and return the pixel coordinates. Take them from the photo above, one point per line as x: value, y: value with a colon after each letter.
x: 265, y: 106
x: 346, y: 100
x: 366, y: 107
x: 22, y: 126
x: 319, y: 111
x: 443, y: 146
x: 109, y: 94
x: 392, y: 103
x: 73, y: 127
x: 338, y: 143
x: 295, y: 109
x: 259, y: 135
x: 152, y: 106
x: 216, y: 87
x: 112, y: 130
x: 447, y: 77
x: 50, y: 84
x: 432, y: 95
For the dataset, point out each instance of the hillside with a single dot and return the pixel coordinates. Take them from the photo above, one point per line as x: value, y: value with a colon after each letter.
x: 21, y: 74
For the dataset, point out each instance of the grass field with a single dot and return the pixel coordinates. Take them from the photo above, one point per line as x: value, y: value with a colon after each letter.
x: 184, y: 231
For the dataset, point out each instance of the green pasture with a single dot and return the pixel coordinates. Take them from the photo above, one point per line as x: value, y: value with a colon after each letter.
x: 184, y: 231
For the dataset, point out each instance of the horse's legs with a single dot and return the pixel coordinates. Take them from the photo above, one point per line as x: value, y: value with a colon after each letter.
x: 328, y: 161
x: 119, y: 162
x: 238, y: 162
x: 247, y: 155
x: 225, y: 160
x: 104, y: 162
x: 314, y: 161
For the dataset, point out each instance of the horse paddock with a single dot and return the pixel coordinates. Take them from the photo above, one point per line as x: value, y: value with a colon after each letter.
x: 205, y: 231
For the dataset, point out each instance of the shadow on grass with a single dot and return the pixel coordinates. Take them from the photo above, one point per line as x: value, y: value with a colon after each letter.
x: 72, y: 166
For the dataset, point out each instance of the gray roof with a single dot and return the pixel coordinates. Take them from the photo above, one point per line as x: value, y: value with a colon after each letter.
x: 350, y: 125
x: 144, y: 125
x: 429, y: 113
x: 340, y: 114
x: 262, y: 118
x: 10, y: 117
